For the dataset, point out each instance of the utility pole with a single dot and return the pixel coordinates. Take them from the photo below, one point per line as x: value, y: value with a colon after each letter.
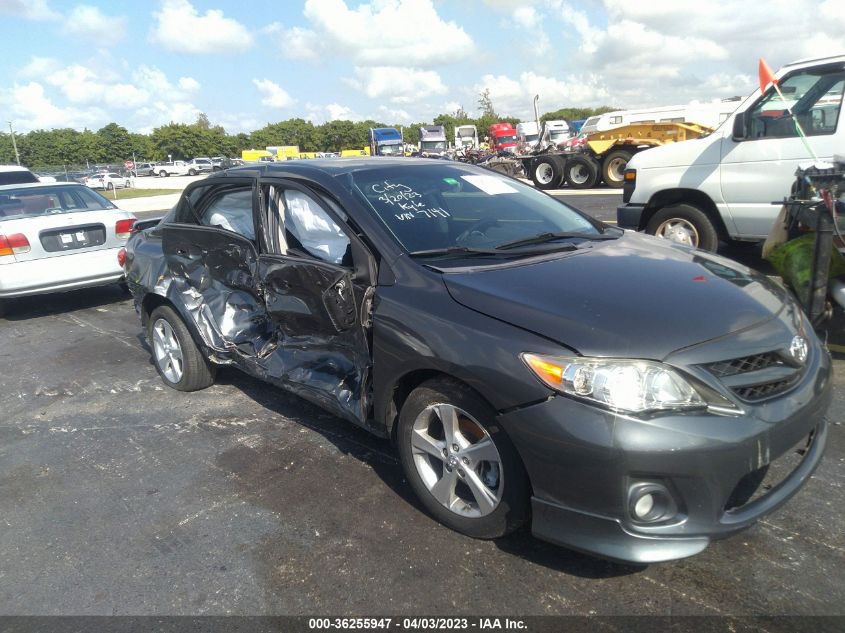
x: 14, y: 144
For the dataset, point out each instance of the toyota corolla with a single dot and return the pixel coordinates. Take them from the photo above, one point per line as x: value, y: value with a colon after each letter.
x: 623, y: 395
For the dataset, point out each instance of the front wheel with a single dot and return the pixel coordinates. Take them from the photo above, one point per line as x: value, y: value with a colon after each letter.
x: 192, y: 172
x: 177, y: 358
x: 162, y: 174
x: 109, y: 186
x: 459, y: 462
x: 685, y: 224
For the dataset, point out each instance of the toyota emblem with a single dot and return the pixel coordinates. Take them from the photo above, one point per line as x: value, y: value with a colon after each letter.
x: 798, y: 349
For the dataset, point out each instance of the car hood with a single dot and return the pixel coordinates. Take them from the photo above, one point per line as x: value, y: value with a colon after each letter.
x: 634, y: 297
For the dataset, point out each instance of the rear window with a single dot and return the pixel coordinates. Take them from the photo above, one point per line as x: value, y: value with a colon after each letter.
x: 39, y: 201
x: 17, y: 177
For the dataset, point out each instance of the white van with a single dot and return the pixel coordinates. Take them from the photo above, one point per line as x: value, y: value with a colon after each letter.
x: 722, y: 186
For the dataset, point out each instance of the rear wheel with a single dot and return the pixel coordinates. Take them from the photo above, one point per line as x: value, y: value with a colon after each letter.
x: 581, y: 172
x: 177, y: 358
x: 109, y: 186
x: 685, y: 224
x: 459, y: 462
x: 613, y: 168
x: 192, y: 172
x: 547, y: 172
x: 162, y: 174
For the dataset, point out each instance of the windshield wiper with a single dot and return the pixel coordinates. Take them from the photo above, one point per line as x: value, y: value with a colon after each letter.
x: 540, y: 238
x: 456, y: 250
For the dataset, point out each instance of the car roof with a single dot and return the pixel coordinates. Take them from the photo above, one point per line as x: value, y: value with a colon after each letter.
x: 328, y: 166
x: 39, y: 185
x: 12, y: 168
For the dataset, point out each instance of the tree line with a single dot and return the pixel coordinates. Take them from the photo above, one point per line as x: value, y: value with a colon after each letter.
x: 113, y: 143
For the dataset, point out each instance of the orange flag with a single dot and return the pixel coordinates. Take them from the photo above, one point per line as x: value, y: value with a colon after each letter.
x: 766, y: 75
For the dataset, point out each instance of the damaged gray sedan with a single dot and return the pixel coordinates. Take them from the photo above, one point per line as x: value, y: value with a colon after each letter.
x: 627, y: 396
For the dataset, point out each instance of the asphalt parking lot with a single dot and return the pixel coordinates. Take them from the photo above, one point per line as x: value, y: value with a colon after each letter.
x: 120, y: 496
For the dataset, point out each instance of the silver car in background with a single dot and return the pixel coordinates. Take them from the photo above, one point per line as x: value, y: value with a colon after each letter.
x: 56, y: 237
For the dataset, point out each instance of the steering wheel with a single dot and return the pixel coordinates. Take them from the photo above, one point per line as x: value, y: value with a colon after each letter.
x: 478, y: 228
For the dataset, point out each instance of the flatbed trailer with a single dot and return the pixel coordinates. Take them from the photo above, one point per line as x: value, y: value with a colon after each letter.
x: 602, y: 156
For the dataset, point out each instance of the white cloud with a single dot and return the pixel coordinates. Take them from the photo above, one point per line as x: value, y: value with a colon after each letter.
x: 89, y: 22
x: 189, y: 84
x: 391, y: 115
x: 398, y: 85
x: 515, y: 97
x: 376, y: 34
x: 39, y: 66
x: 32, y: 109
x: 526, y: 17
x: 274, y: 95
x: 28, y: 9
x: 180, y: 28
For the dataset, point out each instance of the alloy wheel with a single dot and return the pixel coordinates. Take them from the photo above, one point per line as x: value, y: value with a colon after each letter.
x: 457, y: 460
x: 168, y: 351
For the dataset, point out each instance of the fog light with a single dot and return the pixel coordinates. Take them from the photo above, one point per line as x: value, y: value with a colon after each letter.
x: 644, y: 506
x: 651, y: 502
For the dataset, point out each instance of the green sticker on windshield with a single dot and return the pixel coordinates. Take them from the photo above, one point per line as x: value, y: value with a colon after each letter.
x: 451, y: 181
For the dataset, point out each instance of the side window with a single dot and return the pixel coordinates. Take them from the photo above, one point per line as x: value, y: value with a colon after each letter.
x: 306, y: 228
x: 812, y: 99
x: 231, y: 210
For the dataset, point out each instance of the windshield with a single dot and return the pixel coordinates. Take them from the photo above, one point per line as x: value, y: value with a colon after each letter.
x: 390, y: 150
x: 432, y: 145
x: 38, y: 201
x: 427, y: 207
x: 506, y: 139
x: 530, y: 138
x: 559, y: 135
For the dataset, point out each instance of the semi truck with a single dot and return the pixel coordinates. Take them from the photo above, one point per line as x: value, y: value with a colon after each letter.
x: 433, y: 139
x: 501, y: 137
x: 385, y: 141
x: 466, y: 136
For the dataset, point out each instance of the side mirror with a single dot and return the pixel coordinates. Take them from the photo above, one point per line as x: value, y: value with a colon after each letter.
x: 740, y: 131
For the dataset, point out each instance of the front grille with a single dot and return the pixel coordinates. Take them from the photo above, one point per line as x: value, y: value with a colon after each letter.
x: 758, y: 376
x: 753, y: 393
x: 744, y: 364
x: 760, y: 482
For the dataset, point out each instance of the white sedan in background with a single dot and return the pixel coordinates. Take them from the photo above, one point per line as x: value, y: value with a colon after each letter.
x: 106, y: 180
x: 57, y: 237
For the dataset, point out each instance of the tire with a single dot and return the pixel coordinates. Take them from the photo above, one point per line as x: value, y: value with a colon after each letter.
x: 193, y: 372
x: 685, y: 224
x: 2, y: 308
x: 613, y: 168
x: 109, y: 186
x: 581, y: 172
x: 192, y: 172
x: 547, y: 172
x: 162, y: 174
x: 487, y: 491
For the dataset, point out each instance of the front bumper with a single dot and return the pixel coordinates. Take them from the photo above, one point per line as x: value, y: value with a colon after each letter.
x: 57, y: 274
x: 583, y: 462
x: 629, y: 216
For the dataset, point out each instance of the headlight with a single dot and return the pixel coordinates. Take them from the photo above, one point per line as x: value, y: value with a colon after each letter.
x: 634, y: 386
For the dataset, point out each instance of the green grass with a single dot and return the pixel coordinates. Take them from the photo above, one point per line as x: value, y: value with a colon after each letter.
x: 124, y: 194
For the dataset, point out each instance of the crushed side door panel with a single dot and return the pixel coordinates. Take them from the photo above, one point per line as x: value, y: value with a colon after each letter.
x: 214, y: 277
x: 322, y: 351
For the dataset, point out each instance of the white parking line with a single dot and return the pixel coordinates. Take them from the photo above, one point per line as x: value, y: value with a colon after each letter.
x: 584, y: 192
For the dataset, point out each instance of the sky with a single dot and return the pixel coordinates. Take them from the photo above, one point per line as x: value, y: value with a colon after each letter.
x: 244, y: 64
